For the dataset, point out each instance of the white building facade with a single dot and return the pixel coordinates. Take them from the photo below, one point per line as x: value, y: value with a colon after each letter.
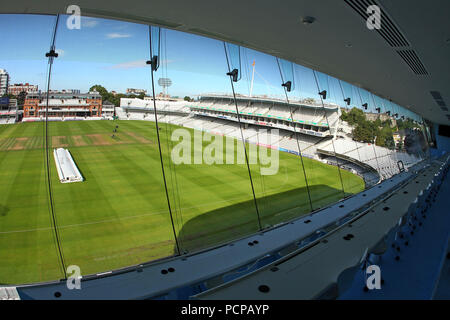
x: 4, y: 82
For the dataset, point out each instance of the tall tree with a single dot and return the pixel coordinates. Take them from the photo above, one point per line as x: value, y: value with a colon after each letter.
x: 21, y: 99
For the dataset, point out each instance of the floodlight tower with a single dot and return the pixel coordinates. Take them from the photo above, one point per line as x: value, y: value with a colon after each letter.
x: 164, y: 83
x: 253, y: 78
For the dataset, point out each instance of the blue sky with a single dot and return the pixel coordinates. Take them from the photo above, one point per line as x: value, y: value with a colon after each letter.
x: 113, y: 54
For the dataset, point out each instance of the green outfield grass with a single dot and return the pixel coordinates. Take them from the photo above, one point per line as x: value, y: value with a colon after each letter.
x: 119, y: 215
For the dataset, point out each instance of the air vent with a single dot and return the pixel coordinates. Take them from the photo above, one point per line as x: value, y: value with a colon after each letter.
x: 438, y: 99
x: 391, y: 34
x: 389, y: 31
x: 413, y: 61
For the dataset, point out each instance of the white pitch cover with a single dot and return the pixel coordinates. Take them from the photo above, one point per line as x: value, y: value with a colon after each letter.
x: 66, y: 167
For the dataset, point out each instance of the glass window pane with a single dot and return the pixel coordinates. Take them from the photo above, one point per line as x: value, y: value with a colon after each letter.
x: 353, y: 171
x: 28, y: 247
x: 118, y: 214
x: 314, y: 133
x: 207, y: 178
x: 357, y: 127
x: 271, y: 138
x: 326, y: 174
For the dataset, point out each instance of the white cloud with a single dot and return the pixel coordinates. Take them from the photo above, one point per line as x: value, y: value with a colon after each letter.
x: 164, y: 61
x: 60, y: 52
x: 129, y: 65
x: 121, y: 26
x: 136, y: 64
x: 88, y: 22
x: 116, y: 35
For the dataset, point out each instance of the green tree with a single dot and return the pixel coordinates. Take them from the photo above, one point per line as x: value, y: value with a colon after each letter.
x: 100, y: 89
x: 386, y: 123
x: 364, y: 132
x: 406, y: 124
x: 390, y: 143
x: 377, y: 122
x: 344, y: 115
x: 115, y: 99
x: 21, y: 99
x: 385, y: 137
x: 355, y: 116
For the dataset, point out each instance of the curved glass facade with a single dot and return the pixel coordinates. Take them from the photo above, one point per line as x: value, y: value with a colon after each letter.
x: 124, y: 143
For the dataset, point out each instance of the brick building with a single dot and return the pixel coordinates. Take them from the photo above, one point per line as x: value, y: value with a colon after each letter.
x: 136, y: 91
x: 17, y: 88
x: 63, y: 105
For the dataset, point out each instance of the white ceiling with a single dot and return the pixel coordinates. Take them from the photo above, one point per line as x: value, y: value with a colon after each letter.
x: 275, y: 27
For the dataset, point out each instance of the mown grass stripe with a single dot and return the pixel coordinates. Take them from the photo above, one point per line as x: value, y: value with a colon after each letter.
x: 119, y: 215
